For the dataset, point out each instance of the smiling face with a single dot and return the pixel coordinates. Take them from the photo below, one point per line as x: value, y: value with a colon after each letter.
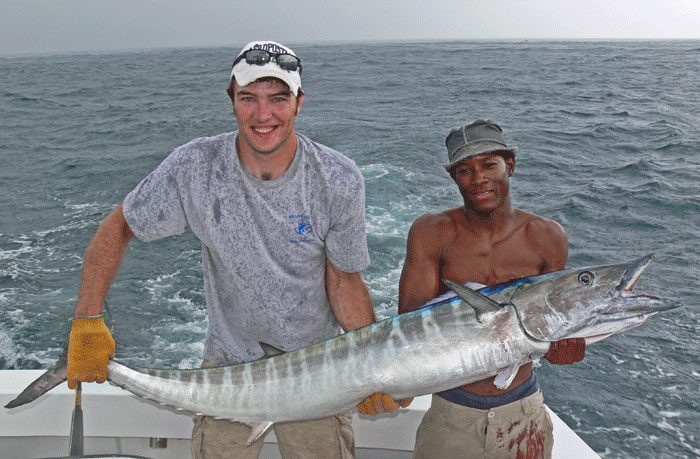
x: 265, y: 111
x: 483, y: 181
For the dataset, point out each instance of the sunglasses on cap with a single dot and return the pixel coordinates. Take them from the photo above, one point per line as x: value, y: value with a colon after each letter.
x: 285, y: 61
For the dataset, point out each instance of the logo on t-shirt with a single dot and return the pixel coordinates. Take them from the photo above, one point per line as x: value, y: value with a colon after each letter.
x: 302, y: 228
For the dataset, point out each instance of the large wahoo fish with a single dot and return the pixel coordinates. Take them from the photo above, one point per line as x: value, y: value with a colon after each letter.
x: 456, y: 339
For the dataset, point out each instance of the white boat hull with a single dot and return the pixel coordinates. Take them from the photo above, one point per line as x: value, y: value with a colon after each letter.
x: 119, y: 423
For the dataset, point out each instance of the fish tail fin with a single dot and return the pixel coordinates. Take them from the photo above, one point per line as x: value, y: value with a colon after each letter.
x: 44, y: 383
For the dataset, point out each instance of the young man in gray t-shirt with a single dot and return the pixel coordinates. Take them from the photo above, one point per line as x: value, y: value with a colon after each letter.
x: 281, y: 222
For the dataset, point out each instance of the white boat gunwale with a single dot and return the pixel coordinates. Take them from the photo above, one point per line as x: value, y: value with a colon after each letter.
x: 112, y: 413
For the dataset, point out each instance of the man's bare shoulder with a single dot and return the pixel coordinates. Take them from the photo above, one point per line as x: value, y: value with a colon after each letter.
x: 435, y: 227
x: 537, y: 226
x: 548, y: 235
x: 433, y: 223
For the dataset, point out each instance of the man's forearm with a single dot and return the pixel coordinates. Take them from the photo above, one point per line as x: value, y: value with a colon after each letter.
x: 102, y: 261
x: 349, y: 298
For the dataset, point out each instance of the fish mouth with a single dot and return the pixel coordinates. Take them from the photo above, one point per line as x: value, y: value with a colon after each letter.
x: 627, y: 308
x: 631, y: 277
x: 643, y: 303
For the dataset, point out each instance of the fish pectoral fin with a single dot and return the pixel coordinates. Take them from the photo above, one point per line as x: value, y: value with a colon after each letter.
x: 482, y: 304
x: 257, y: 430
x: 505, y: 377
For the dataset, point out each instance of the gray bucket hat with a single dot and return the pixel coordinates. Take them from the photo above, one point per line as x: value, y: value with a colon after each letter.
x: 474, y: 139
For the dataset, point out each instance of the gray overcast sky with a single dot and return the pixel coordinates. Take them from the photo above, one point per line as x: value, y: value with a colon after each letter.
x: 38, y: 26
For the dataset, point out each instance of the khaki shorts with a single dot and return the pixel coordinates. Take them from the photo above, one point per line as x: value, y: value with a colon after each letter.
x: 519, y: 429
x: 330, y: 437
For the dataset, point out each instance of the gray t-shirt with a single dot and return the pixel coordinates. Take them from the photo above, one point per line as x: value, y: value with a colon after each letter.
x: 264, y: 243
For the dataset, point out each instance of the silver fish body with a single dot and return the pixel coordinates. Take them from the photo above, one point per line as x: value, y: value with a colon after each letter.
x: 453, y: 340
x: 418, y: 353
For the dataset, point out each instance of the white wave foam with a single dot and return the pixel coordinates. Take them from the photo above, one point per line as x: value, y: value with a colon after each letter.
x: 5, y: 295
x: 678, y: 432
x: 158, y: 285
x: 387, y: 284
x: 8, y: 349
x: 393, y: 220
x: 89, y: 205
x: 24, y: 248
x: 374, y: 171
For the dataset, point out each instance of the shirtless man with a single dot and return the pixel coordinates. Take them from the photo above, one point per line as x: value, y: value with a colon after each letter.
x: 487, y: 241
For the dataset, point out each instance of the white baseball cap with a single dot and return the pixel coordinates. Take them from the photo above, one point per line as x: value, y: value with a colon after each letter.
x: 246, y: 73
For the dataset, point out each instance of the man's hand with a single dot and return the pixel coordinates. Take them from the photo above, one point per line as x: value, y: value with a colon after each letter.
x: 566, y: 351
x: 89, y: 349
x: 378, y: 403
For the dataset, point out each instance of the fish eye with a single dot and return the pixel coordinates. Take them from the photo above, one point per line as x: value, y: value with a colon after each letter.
x: 586, y: 277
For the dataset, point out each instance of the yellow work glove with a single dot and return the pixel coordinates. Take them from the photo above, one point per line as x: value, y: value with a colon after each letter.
x: 378, y: 403
x: 89, y: 349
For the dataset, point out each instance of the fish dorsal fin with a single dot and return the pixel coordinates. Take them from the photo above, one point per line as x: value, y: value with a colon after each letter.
x: 481, y: 303
x: 270, y: 350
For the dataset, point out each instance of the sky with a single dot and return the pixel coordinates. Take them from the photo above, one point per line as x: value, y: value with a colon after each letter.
x: 49, y: 26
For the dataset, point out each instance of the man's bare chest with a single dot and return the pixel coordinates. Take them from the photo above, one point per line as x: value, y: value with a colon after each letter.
x: 489, y: 265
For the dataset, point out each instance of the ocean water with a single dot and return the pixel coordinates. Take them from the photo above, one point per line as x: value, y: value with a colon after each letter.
x: 609, y: 137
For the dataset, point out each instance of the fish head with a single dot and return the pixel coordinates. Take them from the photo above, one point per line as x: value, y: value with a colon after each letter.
x: 592, y: 302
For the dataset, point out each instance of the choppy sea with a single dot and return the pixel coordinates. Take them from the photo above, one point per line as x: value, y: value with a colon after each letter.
x: 609, y: 138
